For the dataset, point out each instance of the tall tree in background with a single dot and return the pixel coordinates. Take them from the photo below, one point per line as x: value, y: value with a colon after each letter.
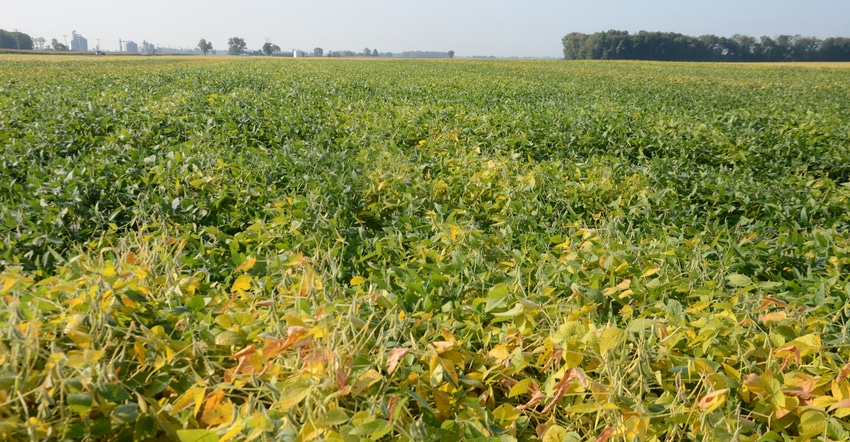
x: 269, y: 48
x: 236, y: 45
x: 318, y: 52
x: 451, y: 54
x: 205, y: 46
x: 56, y: 46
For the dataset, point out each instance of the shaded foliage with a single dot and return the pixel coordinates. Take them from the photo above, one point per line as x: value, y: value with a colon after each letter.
x: 668, y: 46
x: 15, y: 40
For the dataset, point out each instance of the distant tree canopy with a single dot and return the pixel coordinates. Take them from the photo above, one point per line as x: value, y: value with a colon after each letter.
x: 270, y: 48
x: 236, y: 45
x: 15, y: 40
x: 205, y: 46
x: 668, y: 46
x: 58, y: 46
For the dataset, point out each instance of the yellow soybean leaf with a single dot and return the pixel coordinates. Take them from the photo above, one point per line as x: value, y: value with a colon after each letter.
x: 242, y: 284
x: 584, y: 407
x: 713, y: 400
x: 812, y: 424
x: 650, y: 272
x: 499, y: 352
x: 365, y: 381
x: 192, y: 397
x: 232, y: 432
x: 222, y: 413
x: 292, y: 394
x: 443, y: 402
x: 357, y: 280
x: 506, y: 414
x: 247, y: 265
x: 455, y: 231
x: 555, y: 433
x: 7, y: 282
x: 611, y: 337
x: 521, y: 387
x: 308, y: 432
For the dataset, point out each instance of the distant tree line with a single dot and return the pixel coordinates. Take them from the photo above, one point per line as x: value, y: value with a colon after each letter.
x: 366, y: 52
x: 668, y: 46
x: 406, y: 54
x: 15, y: 40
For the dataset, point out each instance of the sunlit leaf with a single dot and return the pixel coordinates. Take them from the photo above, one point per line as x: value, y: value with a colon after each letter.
x: 812, y: 424
x: 556, y: 433
x: 505, y: 414
x: 773, y: 317
x: 365, y: 381
x: 739, y: 280
x: 335, y: 417
x: 244, y: 267
x: 194, y: 396
x: 222, y: 413
x: 7, y: 282
x: 242, y: 284
x: 292, y: 394
x: 713, y: 400
x: 610, y: 338
x: 197, y: 436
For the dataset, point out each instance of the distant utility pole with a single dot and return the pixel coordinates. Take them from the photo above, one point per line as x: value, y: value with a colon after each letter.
x: 66, y: 39
x: 98, y: 43
x: 17, y: 38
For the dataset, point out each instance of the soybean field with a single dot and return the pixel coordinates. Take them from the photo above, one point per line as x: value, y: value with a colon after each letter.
x: 222, y: 249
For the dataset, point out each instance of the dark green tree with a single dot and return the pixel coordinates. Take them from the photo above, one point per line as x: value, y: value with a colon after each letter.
x: 318, y: 52
x: 573, y: 43
x: 205, y: 46
x: 451, y: 54
x: 835, y: 49
x: 236, y: 45
x: 56, y: 46
x: 269, y: 48
x: 15, y: 40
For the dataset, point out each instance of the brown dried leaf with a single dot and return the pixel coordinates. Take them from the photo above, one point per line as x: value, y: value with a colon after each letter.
x: 844, y: 373
x: 247, y: 351
x: 395, y: 357
x: 840, y: 404
x: 605, y: 434
x: 535, y: 399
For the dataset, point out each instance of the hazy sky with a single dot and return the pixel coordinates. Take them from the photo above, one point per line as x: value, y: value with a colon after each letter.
x: 469, y: 27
